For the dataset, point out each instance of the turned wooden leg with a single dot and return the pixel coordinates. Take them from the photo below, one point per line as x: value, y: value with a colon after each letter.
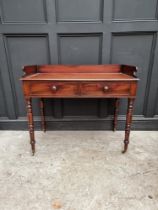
x: 128, y: 123
x: 43, y: 122
x: 117, y: 101
x: 30, y: 124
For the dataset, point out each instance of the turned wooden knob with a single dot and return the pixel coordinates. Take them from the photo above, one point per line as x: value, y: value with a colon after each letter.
x: 54, y: 88
x: 105, y: 88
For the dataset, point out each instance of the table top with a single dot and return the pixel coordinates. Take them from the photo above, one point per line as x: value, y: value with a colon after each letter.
x: 79, y: 77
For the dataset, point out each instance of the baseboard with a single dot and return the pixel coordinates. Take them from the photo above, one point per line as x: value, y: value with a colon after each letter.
x: 81, y: 123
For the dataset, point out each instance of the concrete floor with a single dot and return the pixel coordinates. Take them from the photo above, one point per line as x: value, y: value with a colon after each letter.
x: 78, y: 170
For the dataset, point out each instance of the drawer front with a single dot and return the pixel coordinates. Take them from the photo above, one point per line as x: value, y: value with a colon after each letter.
x: 54, y: 89
x: 79, y: 89
x: 105, y: 89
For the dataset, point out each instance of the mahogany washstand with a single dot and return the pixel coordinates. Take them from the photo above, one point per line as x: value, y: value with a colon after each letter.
x: 79, y: 81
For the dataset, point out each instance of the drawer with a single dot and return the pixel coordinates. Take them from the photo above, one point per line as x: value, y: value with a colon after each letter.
x: 78, y: 89
x: 105, y: 89
x: 54, y: 89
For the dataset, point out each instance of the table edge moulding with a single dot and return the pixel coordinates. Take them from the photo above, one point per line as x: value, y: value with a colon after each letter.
x: 79, y: 81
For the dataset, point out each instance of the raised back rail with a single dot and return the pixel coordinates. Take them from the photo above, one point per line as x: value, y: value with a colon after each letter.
x: 110, y: 68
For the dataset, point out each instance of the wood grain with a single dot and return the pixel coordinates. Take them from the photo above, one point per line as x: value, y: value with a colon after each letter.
x: 82, y: 81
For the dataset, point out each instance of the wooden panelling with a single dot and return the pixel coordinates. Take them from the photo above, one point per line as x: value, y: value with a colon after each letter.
x: 2, y: 101
x: 21, y: 11
x: 80, y: 48
x: 78, y: 32
x: 23, y: 49
x: 135, y: 9
x: 78, y: 107
x: 134, y: 49
x: 156, y: 105
x: 83, y: 10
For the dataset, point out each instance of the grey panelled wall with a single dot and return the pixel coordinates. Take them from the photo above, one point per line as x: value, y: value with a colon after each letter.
x: 78, y: 32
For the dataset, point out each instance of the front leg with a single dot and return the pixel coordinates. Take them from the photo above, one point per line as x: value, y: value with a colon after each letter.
x: 128, y: 123
x: 30, y: 123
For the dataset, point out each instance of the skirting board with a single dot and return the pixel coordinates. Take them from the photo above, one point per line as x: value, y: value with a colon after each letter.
x: 80, y: 123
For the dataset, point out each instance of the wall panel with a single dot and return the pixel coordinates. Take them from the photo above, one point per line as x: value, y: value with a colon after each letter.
x: 78, y: 32
x: 22, y: 11
x: 80, y: 48
x: 83, y: 10
x: 21, y: 50
x: 134, y: 49
x: 2, y: 101
x: 135, y: 9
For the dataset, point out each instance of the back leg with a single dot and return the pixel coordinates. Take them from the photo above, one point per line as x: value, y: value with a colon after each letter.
x: 116, y: 109
x: 43, y: 122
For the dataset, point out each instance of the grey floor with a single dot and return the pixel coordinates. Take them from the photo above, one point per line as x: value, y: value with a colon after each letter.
x: 78, y: 170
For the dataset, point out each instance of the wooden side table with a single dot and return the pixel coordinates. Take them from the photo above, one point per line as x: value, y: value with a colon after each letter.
x: 79, y: 81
